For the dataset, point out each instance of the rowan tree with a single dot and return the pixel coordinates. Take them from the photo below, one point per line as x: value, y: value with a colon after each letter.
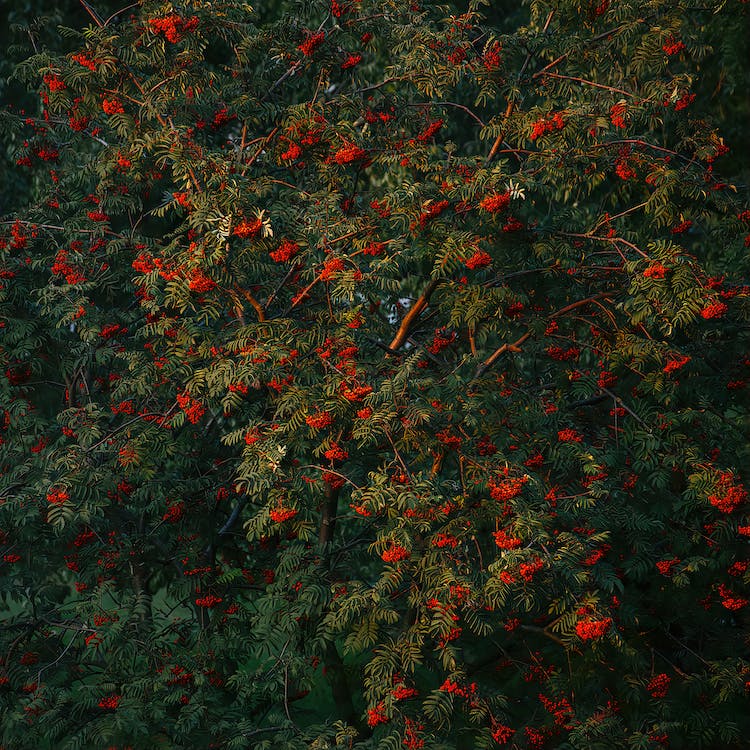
x: 374, y: 376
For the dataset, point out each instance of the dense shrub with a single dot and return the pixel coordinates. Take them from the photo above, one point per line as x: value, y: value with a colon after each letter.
x: 374, y: 376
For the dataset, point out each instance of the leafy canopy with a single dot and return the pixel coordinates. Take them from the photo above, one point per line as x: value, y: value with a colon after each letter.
x: 374, y: 375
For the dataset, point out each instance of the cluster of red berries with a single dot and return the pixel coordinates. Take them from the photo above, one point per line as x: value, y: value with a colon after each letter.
x: 448, y: 439
x: 656, y: 271
x: 377, y: 715
x: 495, y: 202
x: 560, y: 709
x: 492, y: 57
x: 729, y: 600
x: 505, y: 541
x: 401, y: 692
x: 279, y: 515
x: 468, y: 692
x: 506, y: 488
x: 193, y: 409
x: 675, y: 363
x: 480, y: 259
x: 349, y: 153
x: 562, y: 355
x: 617, y: 115
x: 174, y: 512
x: 351, y: 62
x: 588, y: 629
x: 529, y: 569
x: 209, y: 601
x: 57, y: 497
x: 441, y: 340
x: 331, y: 267
x: 665, y: 566
x: 502, y: 734
x: 431, y: 211
x: 672, y: 46
x: 248, y: 228
x: 395, y: 553
x: 728, y: 496
x: 319, y: 420
x: 82, y: 59
x: 714, y: 310
x: 285, y: 251
x: 624, y: 171
x: 111, y: 702
x: 429, y: 131
x: 658, y: 686
x: 445, y: 540
x: 173, y: 27
x: 293, y: 152
x: 112, y: 107
x: 547, y: 125
x: 199, y: 281
x: 312, y: 43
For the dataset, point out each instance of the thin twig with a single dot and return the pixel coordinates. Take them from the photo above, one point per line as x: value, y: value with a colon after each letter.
x: 597, y: 38
x: 621, y: 403
x: 646, y: 144
x: 516, y: 345
x: 377, y: 85
x: 610, y: 240
x: 260, y: 150
x: 296, y: 267
x: 607, y: 219
x: 586, y: 82
x: 97, y: 19
x: 117, y: 12
x: 56, y: 661
x: 331, y: 471
x: 397, y: 454
x: 450, y: 104
x: 544, y: 632
x: 127, y: 424
x: 286, y: 692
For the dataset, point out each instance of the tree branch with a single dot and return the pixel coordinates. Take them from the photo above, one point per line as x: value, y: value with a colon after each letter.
x: 511, y: 103
x: 586, y: 82
x: 254, y: 302
x: 411, y: 317
x: 97, y: 19
x: 328, y: 519
x: 516, y: 345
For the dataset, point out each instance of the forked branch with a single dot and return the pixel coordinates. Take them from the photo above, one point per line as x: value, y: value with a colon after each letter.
x: 516, y: 345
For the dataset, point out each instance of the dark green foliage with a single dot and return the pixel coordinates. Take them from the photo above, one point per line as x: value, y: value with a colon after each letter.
x: 374, y: 375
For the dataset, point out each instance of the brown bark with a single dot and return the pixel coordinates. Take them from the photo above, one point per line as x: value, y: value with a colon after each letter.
x: 516, y: 345
x: 328, y: 520
x: 254, y: 302
x: 411, y: 317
